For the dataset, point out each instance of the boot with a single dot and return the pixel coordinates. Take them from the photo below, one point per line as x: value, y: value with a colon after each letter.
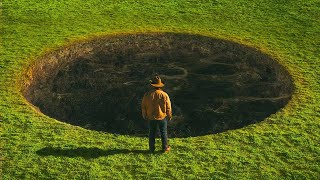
x: 167, y: 149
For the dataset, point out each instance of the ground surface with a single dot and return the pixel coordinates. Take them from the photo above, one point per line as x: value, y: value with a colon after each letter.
x: 214, y: 85
x: 284, y: 145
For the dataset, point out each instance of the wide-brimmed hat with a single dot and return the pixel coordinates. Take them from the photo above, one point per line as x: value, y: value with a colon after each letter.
x: 156, y: 82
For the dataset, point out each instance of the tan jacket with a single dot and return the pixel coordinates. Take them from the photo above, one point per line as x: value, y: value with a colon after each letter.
x: 156, y: 105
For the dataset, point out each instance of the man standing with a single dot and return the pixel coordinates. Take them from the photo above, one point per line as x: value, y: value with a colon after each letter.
x: 156, y: 108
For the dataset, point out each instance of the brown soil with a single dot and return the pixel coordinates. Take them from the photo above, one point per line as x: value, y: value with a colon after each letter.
x: 215, y: 85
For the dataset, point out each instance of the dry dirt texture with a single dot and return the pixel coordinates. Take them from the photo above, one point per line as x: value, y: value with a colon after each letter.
x: 214, y: 85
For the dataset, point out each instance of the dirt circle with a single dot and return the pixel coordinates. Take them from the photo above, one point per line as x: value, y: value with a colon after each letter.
x: 215, y: 85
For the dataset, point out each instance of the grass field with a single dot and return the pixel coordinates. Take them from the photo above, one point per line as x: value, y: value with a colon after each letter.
x: 283, y: 146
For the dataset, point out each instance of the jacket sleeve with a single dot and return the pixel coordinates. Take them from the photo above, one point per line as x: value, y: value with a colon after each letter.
x: 143, y: 107
x: 168, y: 108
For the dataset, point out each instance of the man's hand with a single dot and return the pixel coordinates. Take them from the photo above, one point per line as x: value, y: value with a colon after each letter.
x: 170, y: 117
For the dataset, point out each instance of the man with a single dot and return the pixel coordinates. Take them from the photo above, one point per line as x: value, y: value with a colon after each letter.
x: 156, y: 108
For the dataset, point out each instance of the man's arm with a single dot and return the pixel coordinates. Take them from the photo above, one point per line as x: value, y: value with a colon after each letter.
x: 143, y: 107
x: 169, y: 109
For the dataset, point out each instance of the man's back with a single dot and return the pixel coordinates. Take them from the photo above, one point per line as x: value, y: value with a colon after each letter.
x: 156, y: 105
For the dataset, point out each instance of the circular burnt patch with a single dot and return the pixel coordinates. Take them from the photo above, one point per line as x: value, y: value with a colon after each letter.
x: 215, y: 85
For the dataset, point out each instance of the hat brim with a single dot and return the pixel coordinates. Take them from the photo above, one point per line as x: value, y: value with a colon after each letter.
x: 157, y: 85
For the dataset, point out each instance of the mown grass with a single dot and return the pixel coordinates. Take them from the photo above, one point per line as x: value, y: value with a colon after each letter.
x: 285, y: 145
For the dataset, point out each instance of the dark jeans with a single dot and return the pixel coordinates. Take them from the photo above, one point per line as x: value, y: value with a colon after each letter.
x: 153, y: 124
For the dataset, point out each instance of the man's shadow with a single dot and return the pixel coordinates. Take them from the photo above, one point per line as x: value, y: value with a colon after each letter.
x: 88, y: 152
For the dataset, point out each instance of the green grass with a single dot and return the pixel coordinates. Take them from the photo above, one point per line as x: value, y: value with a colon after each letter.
x: 284, y: 146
